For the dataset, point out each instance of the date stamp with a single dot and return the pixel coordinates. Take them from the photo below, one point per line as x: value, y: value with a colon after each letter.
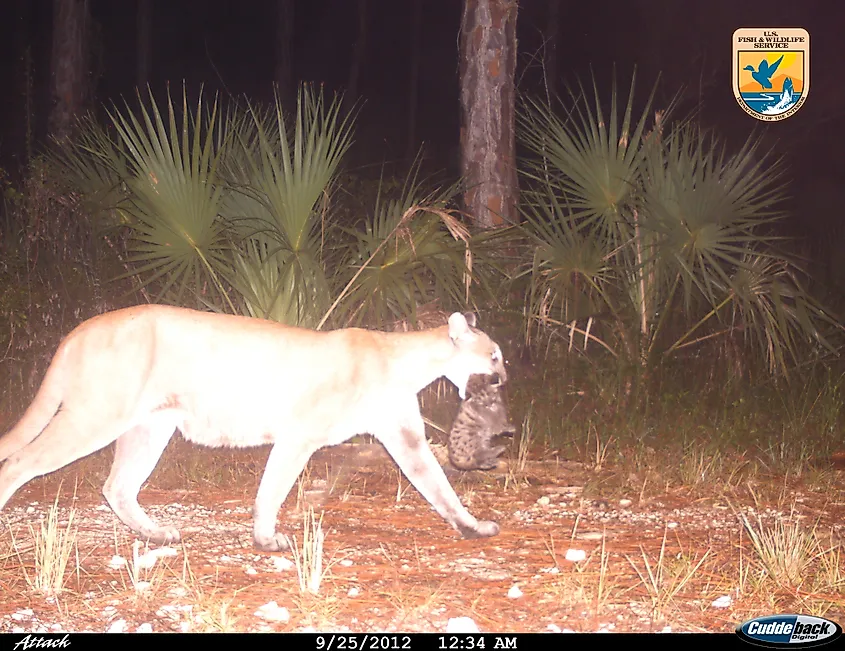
x: 362, y: 642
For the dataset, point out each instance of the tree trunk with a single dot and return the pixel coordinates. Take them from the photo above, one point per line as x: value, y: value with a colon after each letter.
x: 488, y: 149
x: 284, y: 48
x: 144, y: 43
x: 24, y: 88
x: 69, y: 69
x: 550, y: 51
x: 414, y: 80
x: 357, y: 54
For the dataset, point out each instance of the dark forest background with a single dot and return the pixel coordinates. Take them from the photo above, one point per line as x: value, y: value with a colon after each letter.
x: 401, y: 65
x: 231, y: 46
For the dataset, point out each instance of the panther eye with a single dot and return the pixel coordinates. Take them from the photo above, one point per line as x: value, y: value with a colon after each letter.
x: 496, y: 356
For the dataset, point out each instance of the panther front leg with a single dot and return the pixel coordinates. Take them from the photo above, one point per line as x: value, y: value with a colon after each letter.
x: 284, y: 465
x: 411, y: 452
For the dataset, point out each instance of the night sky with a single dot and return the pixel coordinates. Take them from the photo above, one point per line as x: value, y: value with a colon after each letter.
x: 228, y: 45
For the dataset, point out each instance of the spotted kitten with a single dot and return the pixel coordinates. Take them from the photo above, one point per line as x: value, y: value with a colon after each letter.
x: 482, y: 417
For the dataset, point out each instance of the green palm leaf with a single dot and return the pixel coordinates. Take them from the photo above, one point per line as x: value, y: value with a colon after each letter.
x: 593, y: 162
x: 281, y: 174
x: 94, y: 167
x: 411, y: 251
x: 620, y: 221
x: 179, y: 242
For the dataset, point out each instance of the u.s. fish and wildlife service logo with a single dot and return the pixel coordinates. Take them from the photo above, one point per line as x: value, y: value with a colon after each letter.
x: 771, y: 70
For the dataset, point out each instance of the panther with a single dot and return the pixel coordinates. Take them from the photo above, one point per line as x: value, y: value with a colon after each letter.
x: 136, y: 375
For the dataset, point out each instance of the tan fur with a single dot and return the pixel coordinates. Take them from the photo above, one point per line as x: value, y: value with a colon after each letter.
x: 135, y: 375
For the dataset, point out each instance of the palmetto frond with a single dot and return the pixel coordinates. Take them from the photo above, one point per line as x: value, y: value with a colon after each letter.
x: 635, y: 217
x: 591, y: 160
x: 94, y: 166
x: 281, y: 174
x: 774, y: 310
x: 176, y: 195
x: 570, y: 267
x: 707, y: 208
x: 411, y: 251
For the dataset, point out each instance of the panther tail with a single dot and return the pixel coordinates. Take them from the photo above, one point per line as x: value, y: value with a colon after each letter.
x: 39, y: 413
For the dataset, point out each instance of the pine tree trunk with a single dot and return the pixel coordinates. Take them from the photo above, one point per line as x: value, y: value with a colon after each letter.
x: 357, y: 54
x: 69, y: 69
x: 488, y: 148
x: 414, y: 80
x: 22, y: 97
x: 143, y: 43
x: 284, y: 48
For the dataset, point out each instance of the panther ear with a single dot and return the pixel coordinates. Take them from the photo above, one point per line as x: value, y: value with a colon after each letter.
x: 470, y: 317
x: 458, y: 326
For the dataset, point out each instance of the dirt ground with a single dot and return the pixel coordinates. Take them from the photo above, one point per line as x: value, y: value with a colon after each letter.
x: 654, y: 561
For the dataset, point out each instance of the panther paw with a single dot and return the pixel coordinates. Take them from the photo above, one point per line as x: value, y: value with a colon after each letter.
x: 161, y: 536
x: 278, y: 542
x: 484, y: 529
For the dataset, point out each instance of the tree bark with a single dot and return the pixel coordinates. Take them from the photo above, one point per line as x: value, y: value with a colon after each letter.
x: 488, y: 148
x: 24, y: 88
x: 69, y: 65
x: 357, y: 54
x: 414, y: 80
x: 284, y: 48
x: 143, y: 43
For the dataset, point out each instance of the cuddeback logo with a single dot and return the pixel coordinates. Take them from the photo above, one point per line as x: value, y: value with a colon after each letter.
x: 777, y: 631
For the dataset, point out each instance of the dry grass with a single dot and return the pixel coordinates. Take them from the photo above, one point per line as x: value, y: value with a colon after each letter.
x: 664, y: 578
x: 308, y: 557
x: 54, y: 545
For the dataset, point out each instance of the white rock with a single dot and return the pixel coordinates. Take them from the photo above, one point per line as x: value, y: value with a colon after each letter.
x: 24, y: 613
x: 544, y: 501
x: 117, y: 562
x: 117, y: 626
x: 575, y: 555
x: 280, y: 563
x: 148, y: 559
x: 353, y: 592
x: 625, y: 503
x: 462, y: 625
x: 347, y: 562
x: 273, y: 612
x: 724, y: 601
x: 514, y: 592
